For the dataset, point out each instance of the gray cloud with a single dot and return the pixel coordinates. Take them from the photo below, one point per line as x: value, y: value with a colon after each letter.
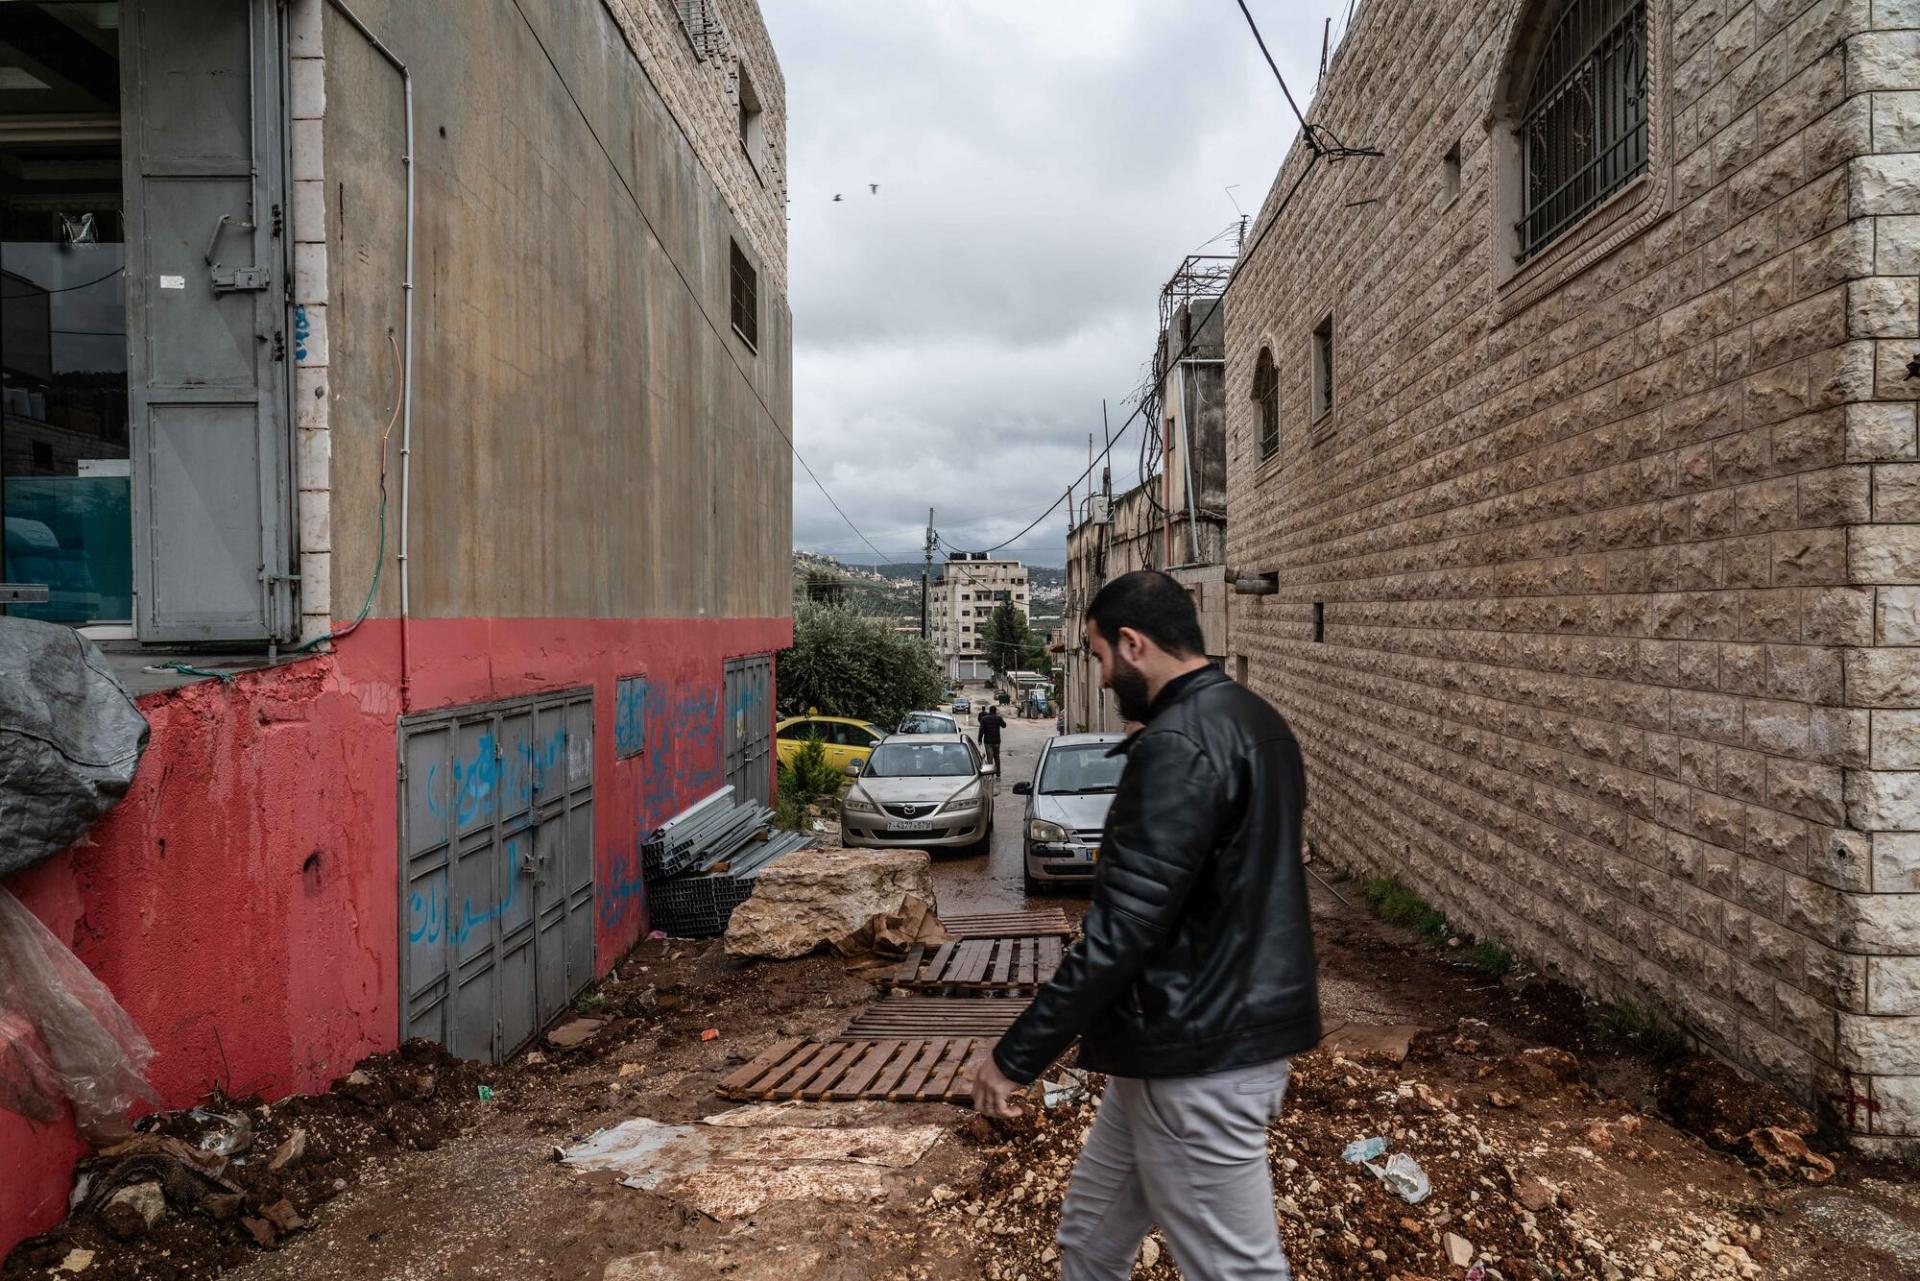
x: 1042, y: 167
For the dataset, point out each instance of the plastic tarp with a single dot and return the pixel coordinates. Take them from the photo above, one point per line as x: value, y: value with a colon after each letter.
x: 70, y: 739
x: 62, y: 1035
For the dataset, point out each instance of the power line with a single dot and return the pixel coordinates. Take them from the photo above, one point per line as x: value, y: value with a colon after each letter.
x: 687, y: 284
x: 830, y: 498
x: 1313, y: 158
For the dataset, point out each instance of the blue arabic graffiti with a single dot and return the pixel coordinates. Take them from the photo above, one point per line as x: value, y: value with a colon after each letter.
x: 302, y: 330
x: 682, y: 766
x: 431, y: 916
x: 623, y: 883
x: 491, y: 781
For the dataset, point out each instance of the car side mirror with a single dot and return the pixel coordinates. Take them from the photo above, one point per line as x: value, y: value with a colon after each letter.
x: 1023, y: 789
x: 853, y: 769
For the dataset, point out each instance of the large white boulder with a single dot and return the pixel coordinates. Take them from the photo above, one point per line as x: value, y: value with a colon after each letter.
x: 821, y: 897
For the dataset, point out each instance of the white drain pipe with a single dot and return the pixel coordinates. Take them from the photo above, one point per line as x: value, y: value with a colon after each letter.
x: 406, y: 364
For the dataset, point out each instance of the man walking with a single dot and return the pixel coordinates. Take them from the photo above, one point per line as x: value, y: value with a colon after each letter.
x: 991, y: 723
x: 1195, y: 983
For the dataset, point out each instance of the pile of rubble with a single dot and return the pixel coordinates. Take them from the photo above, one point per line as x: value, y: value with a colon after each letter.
x: 202, y: 1189
x: 1529, y: 1169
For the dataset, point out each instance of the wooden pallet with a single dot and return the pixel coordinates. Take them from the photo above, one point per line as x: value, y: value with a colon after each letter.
x: 989, y: 925
x: 980, y: 965
x: 924, y: 1070
x: 907, y: 1017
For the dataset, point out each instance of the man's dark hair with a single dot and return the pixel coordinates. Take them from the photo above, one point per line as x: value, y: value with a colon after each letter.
x: 1154, y: 605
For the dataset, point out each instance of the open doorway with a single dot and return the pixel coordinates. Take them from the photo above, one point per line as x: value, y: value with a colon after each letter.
x: 145, y: 461
x: 65, y: 477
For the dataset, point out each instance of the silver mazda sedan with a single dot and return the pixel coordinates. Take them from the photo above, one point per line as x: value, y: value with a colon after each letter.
x: 922, y: 790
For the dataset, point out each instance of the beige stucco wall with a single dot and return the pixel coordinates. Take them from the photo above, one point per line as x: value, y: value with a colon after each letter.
x: 590, y: 437
x: 1617, y: 554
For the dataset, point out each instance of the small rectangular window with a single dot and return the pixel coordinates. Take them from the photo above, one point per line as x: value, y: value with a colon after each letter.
x: 745, y: 298
x: 1450, y: 174
x: 1240, y: 668
x: 1319, y: 621
x: 753, y: 134
x: 1323, y: 368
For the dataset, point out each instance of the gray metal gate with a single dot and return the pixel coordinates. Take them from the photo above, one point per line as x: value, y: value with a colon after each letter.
x: 748, y: 694
x: 203, y: 150
x: 496, y: 871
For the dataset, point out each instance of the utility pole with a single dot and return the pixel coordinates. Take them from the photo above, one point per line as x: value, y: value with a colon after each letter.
x: 926, y: 571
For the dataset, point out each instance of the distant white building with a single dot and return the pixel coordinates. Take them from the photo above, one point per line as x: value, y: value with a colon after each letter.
x: 958, y: 603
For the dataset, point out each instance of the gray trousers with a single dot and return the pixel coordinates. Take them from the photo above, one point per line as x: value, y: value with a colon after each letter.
x: 1188, y: 1155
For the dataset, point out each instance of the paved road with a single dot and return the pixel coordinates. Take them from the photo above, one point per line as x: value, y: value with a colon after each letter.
x: 991, y: 881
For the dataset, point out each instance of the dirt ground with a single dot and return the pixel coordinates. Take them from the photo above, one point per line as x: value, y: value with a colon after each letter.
x: 1549, y: 1155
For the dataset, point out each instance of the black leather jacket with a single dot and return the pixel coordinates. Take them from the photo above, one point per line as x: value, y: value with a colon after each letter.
x: 1198, y: 953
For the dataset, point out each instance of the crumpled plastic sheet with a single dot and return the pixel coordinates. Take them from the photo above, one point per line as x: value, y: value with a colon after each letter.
x: 62, y: 1035
x: 70, y: 740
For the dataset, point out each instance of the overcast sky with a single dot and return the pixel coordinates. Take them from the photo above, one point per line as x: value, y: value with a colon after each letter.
x: 1043, y: 166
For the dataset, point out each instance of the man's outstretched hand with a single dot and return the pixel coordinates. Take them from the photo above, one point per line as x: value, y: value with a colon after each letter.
x: 995, y: 1094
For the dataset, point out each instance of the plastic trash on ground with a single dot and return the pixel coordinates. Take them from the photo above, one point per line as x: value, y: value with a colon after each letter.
x: 1072, y: 1087
x: 1404, y: 1175
x: 62, y: 1035
x: 1362, y: 1150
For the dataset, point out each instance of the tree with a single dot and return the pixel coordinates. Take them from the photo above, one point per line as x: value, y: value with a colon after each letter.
x: 1038, y: 659
x: 845, y: 665
x: 1006, y: 638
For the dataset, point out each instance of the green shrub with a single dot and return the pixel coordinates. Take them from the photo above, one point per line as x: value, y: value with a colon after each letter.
x: 789, y: 806
x: 1641, y: 1030
x: 814, y: 774
x: 1490, y: 958
x: 1396, y: 904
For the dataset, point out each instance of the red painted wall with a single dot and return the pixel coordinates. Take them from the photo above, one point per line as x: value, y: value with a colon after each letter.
x: 240, y: 901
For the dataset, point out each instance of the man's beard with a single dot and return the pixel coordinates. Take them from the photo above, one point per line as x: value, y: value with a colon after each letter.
x: 1129, y: 685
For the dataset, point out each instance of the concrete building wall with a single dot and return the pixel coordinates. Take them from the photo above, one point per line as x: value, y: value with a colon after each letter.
x: 1163, y: 524
x: 1615, y: 548
x: 600, y: 489
x: 591, y: 438
x: 1098, y: 553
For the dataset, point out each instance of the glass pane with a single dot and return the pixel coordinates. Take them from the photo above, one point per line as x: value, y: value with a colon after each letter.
x: 64, y: 485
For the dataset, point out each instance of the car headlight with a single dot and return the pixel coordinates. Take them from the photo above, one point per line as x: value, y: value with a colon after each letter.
x: 1046, y: 833
x: 960, y: 802
x: 858, y: 804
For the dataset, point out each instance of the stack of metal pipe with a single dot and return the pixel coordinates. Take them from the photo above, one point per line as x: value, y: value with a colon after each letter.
x: 702, y: 862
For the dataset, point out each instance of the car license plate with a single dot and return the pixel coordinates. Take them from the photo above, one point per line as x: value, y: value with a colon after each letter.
x: 1093, y: 854
x: 900, y: 825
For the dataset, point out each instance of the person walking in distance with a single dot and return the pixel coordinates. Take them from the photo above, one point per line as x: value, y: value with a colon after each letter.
x: 991, y: 723
x: 1195, y: 983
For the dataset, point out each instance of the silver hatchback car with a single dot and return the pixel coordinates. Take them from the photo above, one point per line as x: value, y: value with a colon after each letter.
x: 1067, y: 805
x: 920, y: 790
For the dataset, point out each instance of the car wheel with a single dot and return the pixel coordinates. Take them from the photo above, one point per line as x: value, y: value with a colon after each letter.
x: 1034, y: 888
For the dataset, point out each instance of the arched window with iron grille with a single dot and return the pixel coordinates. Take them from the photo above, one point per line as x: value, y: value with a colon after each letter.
x: 1266, y: 394
x: 1584, y: 127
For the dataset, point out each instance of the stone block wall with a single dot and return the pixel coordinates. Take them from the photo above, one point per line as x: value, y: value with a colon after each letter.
x: 695, y: 62
x: 1619, y: 553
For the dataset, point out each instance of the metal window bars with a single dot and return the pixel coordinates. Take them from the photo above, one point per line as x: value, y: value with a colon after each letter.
x: 744, y: 296
x: 1585, y: 129
x: 705, y: 29
x: 1266, y: 393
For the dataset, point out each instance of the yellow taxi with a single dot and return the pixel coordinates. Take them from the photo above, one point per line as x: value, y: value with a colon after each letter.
x: 846, y: 740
